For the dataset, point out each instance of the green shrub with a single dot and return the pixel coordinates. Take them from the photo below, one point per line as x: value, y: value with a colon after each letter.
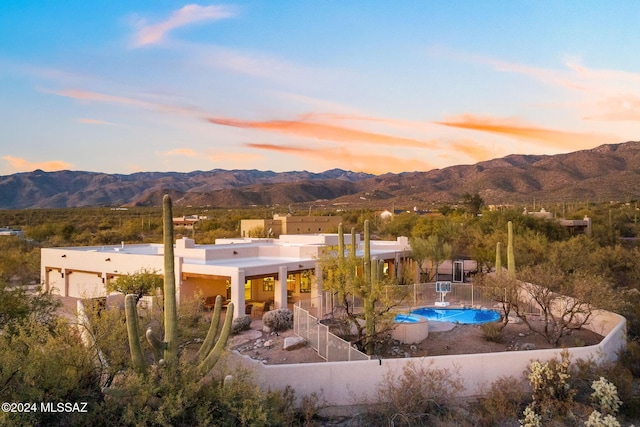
x: 278, y: 320
x: 492, y: 331
x: 242, y: 323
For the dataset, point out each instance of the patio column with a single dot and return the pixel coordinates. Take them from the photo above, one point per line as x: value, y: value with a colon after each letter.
x: 280, y: 288
x: 65, y: 275
x: 237, y: 292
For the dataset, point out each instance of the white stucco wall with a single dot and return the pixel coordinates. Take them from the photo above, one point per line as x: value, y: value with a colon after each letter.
x: 346, y: 383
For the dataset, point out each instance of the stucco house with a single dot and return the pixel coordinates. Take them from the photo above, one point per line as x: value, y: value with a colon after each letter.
x: 244, y: 270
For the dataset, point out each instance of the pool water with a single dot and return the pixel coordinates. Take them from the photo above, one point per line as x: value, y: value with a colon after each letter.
x: 458, y: 315
x: 408, y: 318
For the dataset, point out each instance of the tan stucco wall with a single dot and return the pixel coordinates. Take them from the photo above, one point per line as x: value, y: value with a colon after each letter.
x: 340, y: 382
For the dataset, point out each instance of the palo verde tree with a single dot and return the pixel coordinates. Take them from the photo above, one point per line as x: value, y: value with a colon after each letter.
x: 140, y: 283
x: 567, y: 301
x: 433, y: 249
x: 354, y: 278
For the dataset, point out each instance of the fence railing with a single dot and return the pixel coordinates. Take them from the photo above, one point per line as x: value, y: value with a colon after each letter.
x: 328, y: 345
x: 424, y: 294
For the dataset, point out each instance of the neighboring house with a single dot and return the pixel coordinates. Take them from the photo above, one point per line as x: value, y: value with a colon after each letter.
x: 288, y: 224
x: 244, y: 271
x: 575, y: 226
x: 8, y: 231
x: 187, y: 221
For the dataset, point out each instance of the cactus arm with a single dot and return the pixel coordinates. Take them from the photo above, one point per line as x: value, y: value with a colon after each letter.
x: 498, y: 260
x: 157, y: 346
x: 367, y: 253
x: 353, y: 242
x: 212, y: 358
x: 511, y: 263
x: 209, y: 341
x: 131, y: 315
x: 170, y: 310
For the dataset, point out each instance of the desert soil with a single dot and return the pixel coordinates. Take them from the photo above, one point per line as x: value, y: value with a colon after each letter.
x: 452, y: 339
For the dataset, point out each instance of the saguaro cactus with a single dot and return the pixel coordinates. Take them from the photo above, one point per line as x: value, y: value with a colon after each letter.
x: 498, y: 260
x: 166, y: 351
x: 511, y: 263
x: 369, y: 299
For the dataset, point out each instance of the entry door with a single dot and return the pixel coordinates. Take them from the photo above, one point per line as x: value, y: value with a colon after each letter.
x: 458, y: 271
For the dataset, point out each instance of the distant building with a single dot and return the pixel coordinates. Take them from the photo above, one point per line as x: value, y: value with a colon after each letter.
x: 575, y: 226
x: 8, y: 231
x: 187, y: 221
x: 288, y: 224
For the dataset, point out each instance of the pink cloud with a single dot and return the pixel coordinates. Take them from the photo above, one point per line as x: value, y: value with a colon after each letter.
x: 18, y: 164
x: 189, y: 14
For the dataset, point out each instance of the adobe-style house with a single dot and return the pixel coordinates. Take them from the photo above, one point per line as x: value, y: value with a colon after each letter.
x: 243, y: 270
x: 289, y: 224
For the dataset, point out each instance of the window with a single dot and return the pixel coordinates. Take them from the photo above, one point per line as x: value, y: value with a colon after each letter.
x: 267, y: 284
x: 305, y: 282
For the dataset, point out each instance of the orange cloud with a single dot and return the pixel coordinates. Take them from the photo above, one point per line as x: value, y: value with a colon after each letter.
x: 519, y: 130
x: 18, y: 164
x: 341, y: 157
x: 189, y: 14
x: 322, y: 131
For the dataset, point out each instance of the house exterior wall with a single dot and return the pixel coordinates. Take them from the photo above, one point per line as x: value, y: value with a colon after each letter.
x: 201, y: 269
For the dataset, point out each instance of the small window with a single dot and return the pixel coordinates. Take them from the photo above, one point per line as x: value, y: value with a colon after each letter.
x: 267, y: 284
x: 305, y: 282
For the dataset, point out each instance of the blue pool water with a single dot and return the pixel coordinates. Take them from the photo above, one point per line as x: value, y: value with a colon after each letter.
x: 408, y: 318
x: 458, y: 315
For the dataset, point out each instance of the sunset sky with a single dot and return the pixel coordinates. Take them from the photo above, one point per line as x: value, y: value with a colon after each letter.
x: 376, y: 86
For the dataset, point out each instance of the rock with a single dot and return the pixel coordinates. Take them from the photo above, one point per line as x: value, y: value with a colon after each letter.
x: 528, y: 346
x: 267, y: 343
x: 292, y: 343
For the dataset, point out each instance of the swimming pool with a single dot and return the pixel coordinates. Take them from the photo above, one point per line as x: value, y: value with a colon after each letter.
x: 409, y: 318
x: 458, y: 315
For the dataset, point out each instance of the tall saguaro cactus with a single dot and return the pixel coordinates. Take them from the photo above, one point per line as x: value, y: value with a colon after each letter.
x: 370, y: 294
x: 511, y: 263
x: 498, y: 260
x: 166, y: 351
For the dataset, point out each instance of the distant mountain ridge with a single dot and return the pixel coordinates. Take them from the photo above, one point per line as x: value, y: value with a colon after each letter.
x: 607, y: 172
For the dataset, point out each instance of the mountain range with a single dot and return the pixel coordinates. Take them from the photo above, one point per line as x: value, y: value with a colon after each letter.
x: 607, y: 172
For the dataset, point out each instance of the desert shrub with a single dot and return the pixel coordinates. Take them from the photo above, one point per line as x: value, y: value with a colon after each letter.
x: 278, y: 320
x: 492, y: 331
x: 242, y: 323
x: 190, y: 310
x: 501, y: 404
x: 552, y: 390
x: 419, y: 393
x: 585, y: 372
x: 630, y: 357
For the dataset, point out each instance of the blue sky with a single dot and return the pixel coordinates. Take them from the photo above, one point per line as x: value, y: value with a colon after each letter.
x: 376, y: 86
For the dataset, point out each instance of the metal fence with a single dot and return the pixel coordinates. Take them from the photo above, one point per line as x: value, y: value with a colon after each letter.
x: 425, y: 295
x: 329, y: 346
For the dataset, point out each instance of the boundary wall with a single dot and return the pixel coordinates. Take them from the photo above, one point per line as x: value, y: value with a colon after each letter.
x: 348, y: 383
